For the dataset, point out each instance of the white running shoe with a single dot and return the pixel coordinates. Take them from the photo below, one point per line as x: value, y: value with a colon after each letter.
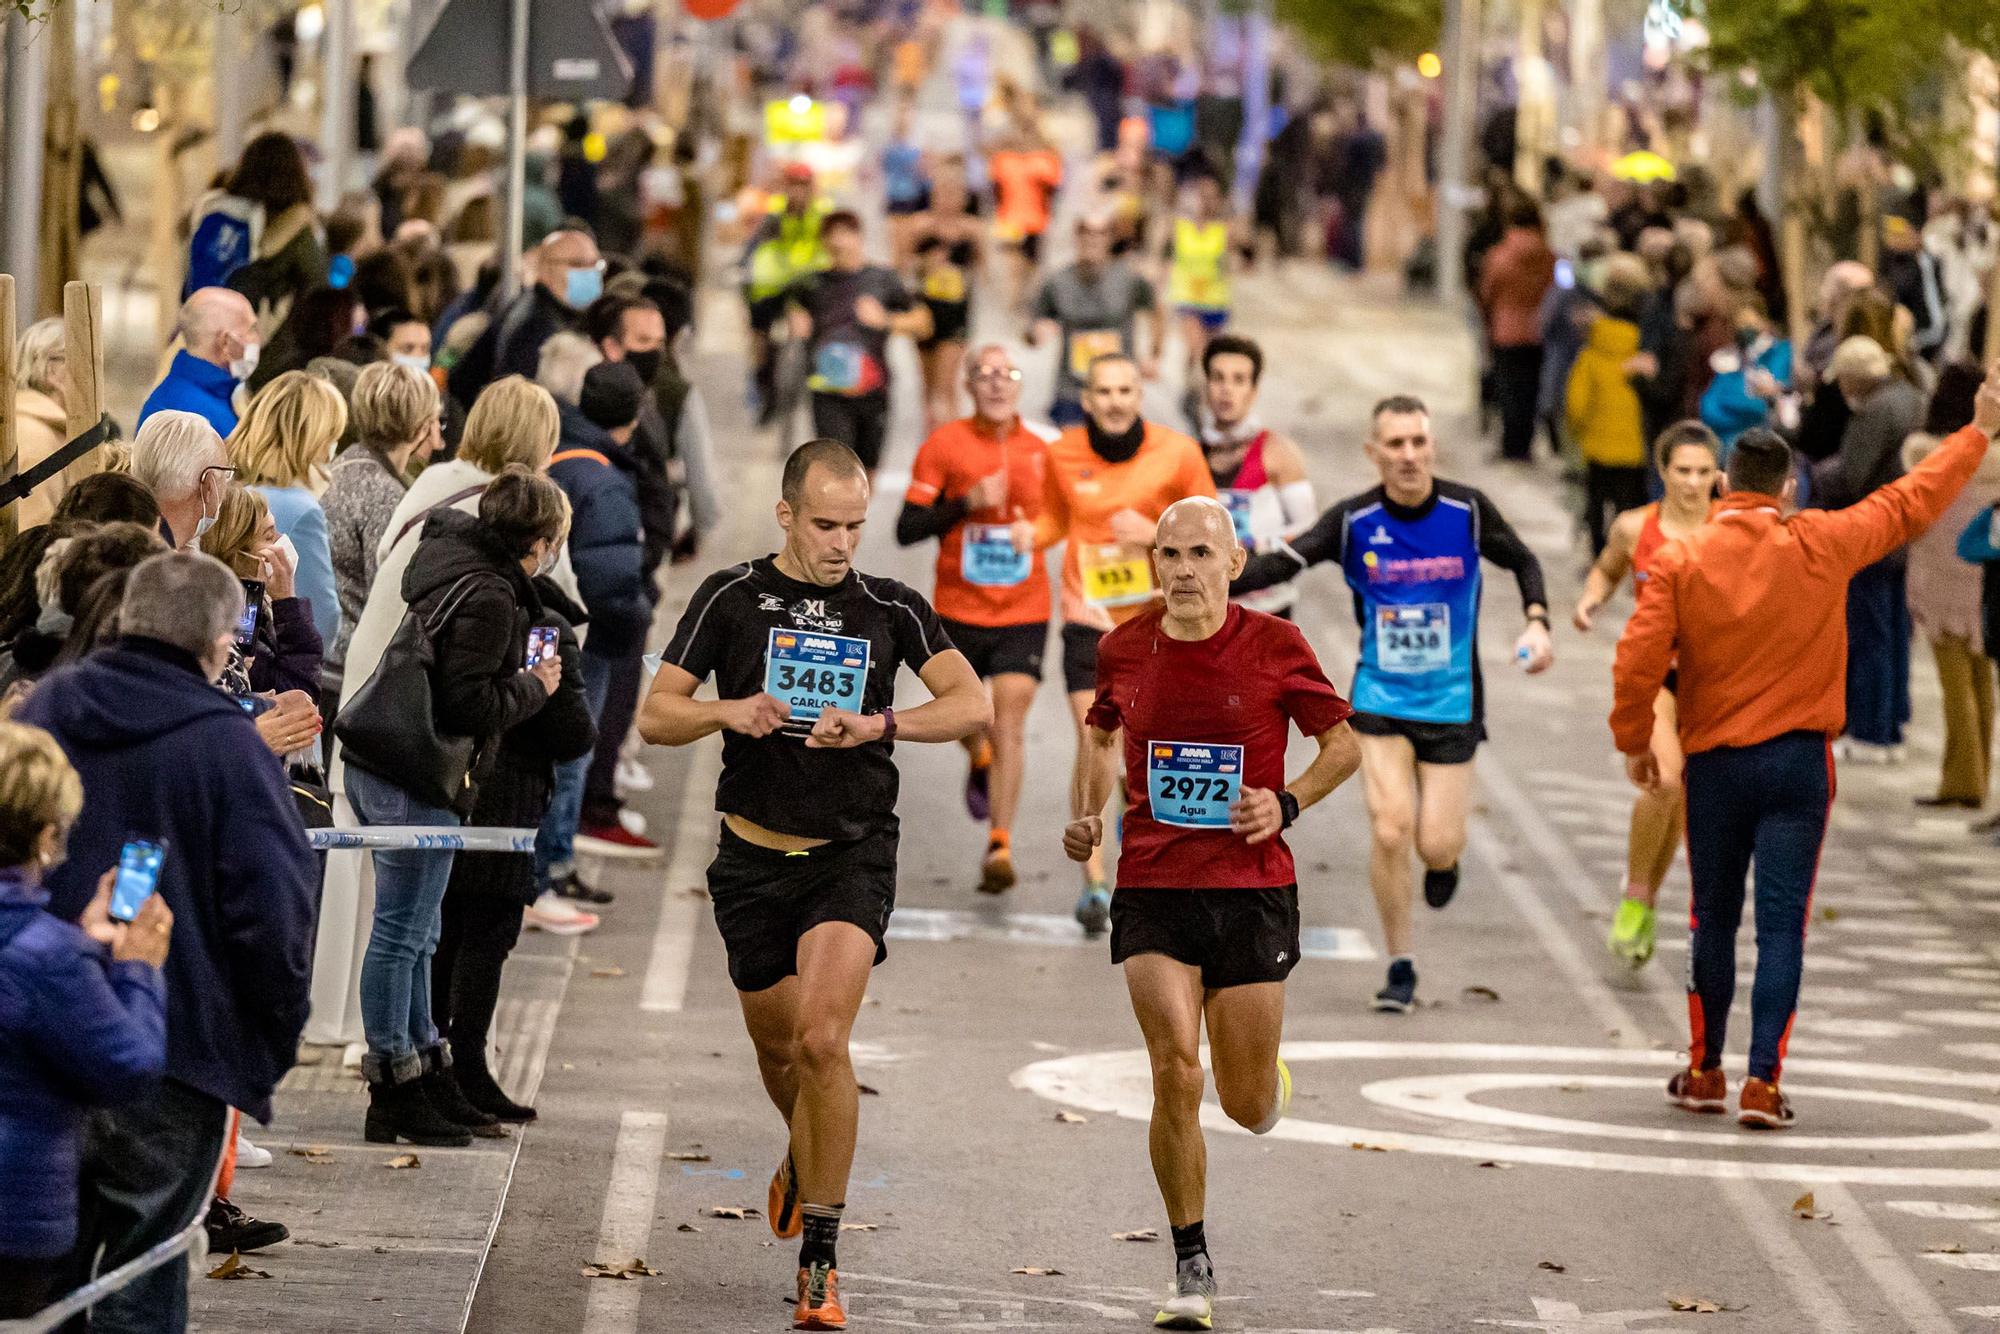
x: 635, y: 823
x: 248, y: 1155
x: 558, y: 916
x: 1849, y: 751
x: 631, y: 777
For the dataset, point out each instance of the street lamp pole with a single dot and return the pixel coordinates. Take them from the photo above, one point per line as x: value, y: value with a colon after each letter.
x: 1461, y: 101
x: 517, y: 149
x: 27, y: 107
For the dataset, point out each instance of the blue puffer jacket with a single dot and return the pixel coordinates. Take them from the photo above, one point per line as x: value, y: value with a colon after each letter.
x: 77, y: 1029
x: 606, y: 544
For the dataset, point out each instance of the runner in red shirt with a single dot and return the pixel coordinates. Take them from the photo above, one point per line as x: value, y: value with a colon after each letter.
x: 1206, y: 915
x: 977, y: 487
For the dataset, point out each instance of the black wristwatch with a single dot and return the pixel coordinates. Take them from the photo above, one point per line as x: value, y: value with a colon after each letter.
x: 1288, y: 809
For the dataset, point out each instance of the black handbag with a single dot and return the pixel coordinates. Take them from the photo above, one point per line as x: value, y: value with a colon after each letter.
x: 390, y: 726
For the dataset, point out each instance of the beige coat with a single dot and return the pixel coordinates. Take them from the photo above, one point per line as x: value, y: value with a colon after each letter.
x: 1944, y: 590
x: 41, y: 427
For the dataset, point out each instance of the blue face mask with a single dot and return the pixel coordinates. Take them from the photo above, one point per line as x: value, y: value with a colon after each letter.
x: 582, y: 287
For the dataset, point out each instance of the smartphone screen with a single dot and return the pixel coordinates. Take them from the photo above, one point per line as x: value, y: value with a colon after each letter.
x: 255, y: 705
x: 1565, y: 274
x: 138, y: 876
x: 246, y: 625
x: 541, y: 644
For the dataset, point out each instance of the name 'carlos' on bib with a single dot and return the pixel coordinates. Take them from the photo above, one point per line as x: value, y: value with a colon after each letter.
x: 812, y: 672
x: 1193, y: 784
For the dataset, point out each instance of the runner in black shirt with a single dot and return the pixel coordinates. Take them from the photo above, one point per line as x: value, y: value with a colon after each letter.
x: 804, y: 651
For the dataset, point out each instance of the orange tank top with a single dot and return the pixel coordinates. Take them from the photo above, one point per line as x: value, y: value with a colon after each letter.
x: 1651, y: 538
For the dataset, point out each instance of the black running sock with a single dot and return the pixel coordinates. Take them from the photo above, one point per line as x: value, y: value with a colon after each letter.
x: 822, y: 1233
x: 1190, y: 1246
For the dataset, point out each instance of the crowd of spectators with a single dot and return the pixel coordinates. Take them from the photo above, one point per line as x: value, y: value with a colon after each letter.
x: 357, y: 566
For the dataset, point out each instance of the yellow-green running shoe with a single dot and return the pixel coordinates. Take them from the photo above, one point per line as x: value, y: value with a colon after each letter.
x: 1632, y: 932
x: 1279, y: 1105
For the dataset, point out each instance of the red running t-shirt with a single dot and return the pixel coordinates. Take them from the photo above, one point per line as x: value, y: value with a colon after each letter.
x: 1187, y: 701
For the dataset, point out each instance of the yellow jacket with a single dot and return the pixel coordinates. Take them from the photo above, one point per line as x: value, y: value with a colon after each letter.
x: 1604, y: 411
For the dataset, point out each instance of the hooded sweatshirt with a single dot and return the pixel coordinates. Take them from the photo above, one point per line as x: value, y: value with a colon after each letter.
x: 1604, y: 412
x: 165, y: 755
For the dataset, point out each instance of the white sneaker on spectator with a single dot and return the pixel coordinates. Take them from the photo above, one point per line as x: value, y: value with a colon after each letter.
x: 631, y: 777
x: 350, y: 1059
x: 635, y: 823
x: 1850, y: 751
x: 558, y: 916
x: 249, y: 1155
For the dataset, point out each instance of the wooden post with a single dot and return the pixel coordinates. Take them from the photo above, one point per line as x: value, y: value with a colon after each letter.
x: 83, y: 316
x: 9, y: 451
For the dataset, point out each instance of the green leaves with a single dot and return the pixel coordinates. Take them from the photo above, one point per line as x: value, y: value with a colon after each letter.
x: 1363, y: 32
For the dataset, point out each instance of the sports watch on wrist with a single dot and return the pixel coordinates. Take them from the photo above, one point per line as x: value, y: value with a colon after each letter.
x: 1288, y: 809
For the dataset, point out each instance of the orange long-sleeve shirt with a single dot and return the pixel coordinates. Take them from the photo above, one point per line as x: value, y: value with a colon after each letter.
x: 1755, y: 605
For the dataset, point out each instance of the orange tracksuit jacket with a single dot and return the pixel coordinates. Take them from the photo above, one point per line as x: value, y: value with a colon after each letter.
x: 1754, y: 605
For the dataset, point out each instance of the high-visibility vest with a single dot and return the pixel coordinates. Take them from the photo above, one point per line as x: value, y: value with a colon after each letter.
x: 785, y: 123
x: 1200, y: 275
x: 795, y: 251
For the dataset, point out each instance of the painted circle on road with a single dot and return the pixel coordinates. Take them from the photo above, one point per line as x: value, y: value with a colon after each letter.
x: 1119, y: 1083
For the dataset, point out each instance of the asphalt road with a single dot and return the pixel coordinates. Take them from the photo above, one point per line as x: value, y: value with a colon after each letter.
x: 1500, y: 1159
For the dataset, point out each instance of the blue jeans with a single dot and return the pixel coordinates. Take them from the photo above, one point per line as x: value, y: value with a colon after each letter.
x: 409, y: 890
x: 1878, y: 653
x: 555, y: 841
x: 1766, y: 803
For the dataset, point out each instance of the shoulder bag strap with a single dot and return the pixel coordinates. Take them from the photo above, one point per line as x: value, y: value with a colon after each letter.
x: 425, y: 513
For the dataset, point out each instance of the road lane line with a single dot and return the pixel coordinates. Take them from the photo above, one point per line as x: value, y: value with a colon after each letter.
x: 1913, y: 1303
x: 665, y: 984
x: 627, y: 1224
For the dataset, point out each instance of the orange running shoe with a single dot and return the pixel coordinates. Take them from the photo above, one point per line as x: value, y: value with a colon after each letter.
x: 819, y: 1299
x: 1705, y: 1091
x: 782, y: 1203
x: 1763, y: 1107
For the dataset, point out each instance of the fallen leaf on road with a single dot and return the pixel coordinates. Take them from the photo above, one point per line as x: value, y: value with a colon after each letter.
x: 234, y: 1267
x: 687, y: 1227
x: 633, y: 1268
x: 609, y: 970
x: 1370, y: 1148
x: 1504, y: 1167
x: 871, y: 1092
x: 687, y: 1157
x: 1829, y: 914
x: 1143, y: 1234
x: 314, y: 1153
x: 403, y: 1162
x: 1553, y: 1267
x: 1033, y: 1272
x: 733, y: 1211
x: 1949, y: 1248
x: 1699, y: 1305
x: 1803, y: 1207
x: 1480, y: 993
x: 1570, y: 1088
x: 1071, y: 1118
x: 308, y: 1241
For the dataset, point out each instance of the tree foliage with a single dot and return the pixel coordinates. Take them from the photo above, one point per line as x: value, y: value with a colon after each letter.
x: 1361, y: 33
x: 1853, y: 55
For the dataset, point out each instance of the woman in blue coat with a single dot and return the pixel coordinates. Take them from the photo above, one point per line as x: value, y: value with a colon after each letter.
x: 82, y: 1017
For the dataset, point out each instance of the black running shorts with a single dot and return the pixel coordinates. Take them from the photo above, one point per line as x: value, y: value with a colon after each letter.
x: 996, y: 649
x: 1235, y: 936
x: 1435, y: 743
x: 1080, y: 658
x: 765, y: 900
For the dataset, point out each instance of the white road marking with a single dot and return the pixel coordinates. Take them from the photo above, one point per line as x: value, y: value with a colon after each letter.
x: 1985, y: 1262
x: 1340, y: 943
x: 1119, y: 1083
x: 665, y: 984
x: 1908, y: 1297
x: 627, y: 1223
x: 1559, y: 1317
x: 1926, y: 985
x: 1914, y: 954
x: 1956, y: 1018
x: 1949, y: 1211
x: 1977, y: 1051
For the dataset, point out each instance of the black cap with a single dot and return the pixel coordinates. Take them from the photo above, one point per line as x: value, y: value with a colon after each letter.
x: 612, y: 393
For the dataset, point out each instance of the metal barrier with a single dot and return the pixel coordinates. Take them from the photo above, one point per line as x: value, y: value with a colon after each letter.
x: 434, y: 838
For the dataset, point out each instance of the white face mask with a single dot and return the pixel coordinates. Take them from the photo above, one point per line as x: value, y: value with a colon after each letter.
x: 203, y: 524
x: 246, y: 365
x: 412, y: 360
x: 547, y: 562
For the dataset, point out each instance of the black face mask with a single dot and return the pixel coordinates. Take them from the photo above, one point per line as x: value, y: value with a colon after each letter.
x: 646, y: 363
x: 1115, y: 448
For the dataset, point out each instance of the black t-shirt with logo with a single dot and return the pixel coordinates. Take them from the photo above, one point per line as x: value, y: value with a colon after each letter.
x: 848, y: 357
x: 755, y: 629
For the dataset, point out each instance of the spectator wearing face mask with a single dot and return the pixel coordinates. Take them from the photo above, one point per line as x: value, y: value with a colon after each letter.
x: 285, y: 649
x: 281, y: 449
x: 82, y: 1017
x: 406, y: 336
x: 219, y: 350
x: 165, y: 756
x: 1752, y: 380
x: 569, y: 275
x: 181, y: 459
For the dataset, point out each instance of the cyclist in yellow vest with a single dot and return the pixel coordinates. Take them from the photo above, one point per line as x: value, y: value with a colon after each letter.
x: 1199, y: 260
x: 785, y: 247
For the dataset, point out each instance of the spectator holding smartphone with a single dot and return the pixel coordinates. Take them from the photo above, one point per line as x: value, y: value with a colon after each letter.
x: 82, y: 1017
x: 284, y: 650
x: 165, y: 756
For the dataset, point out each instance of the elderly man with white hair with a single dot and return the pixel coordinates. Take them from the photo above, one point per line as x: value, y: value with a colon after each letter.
x: 1205, y: 919
x: 1884, y: 409
x: 218, y: 332
x: 179, y: 458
